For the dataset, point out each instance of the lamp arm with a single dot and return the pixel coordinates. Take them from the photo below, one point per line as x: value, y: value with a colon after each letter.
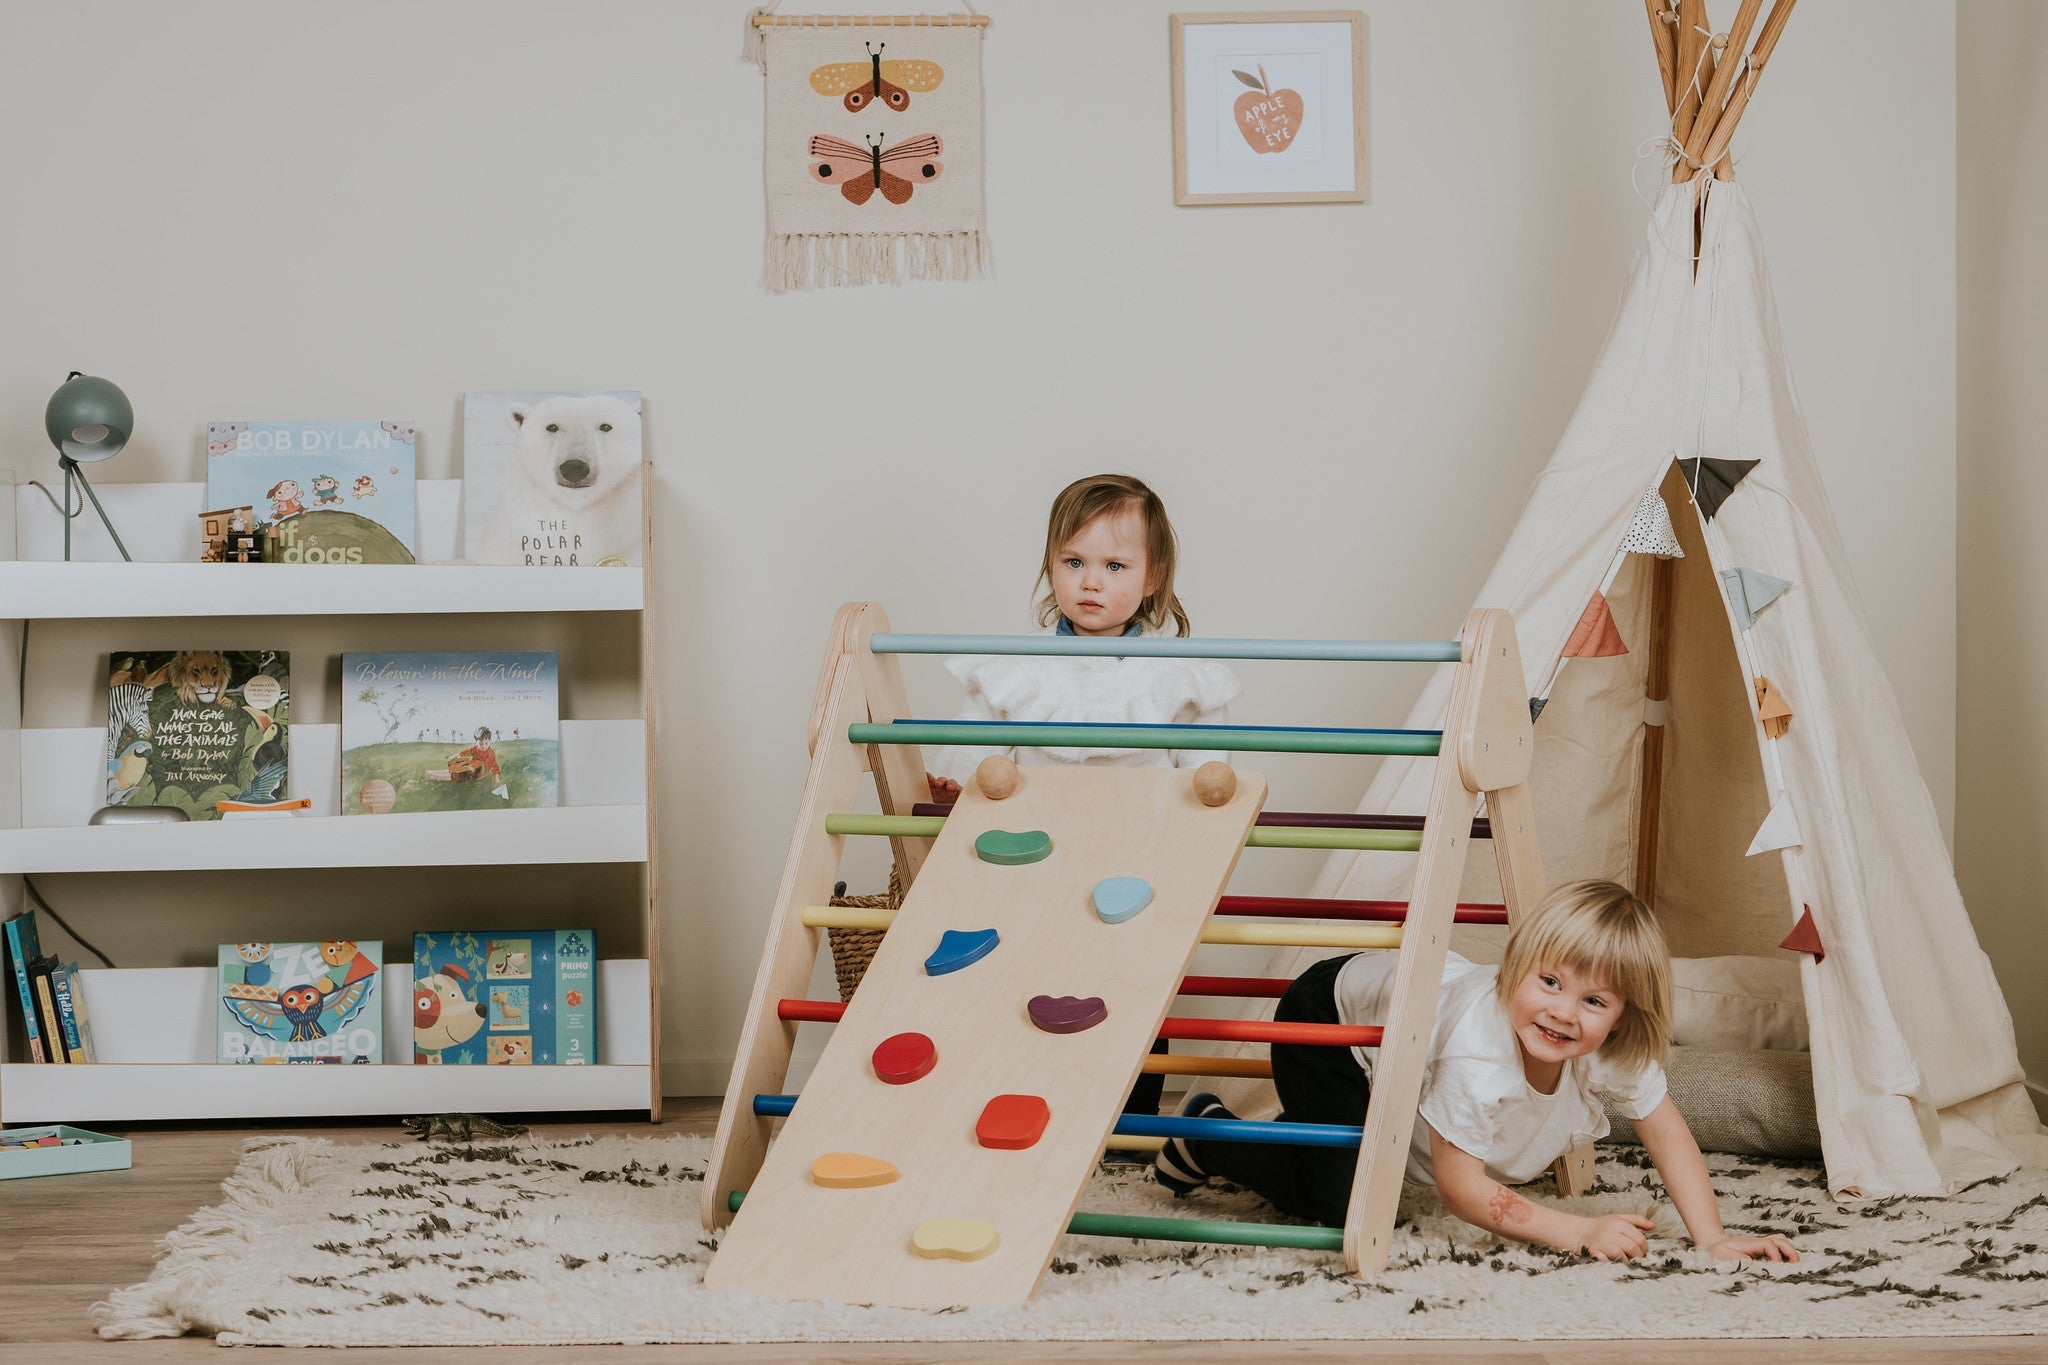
x: 73, y: 471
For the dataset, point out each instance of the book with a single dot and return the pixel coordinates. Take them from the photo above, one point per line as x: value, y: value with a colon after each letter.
x: 63, y: 988
x: 194, y: 727
x: 334, y: 492
x: 553, y: 480
x: 22, y: 951
x: 46, y: 1007
x: 83, y: 1015
x: 301, y: 1002
x: 525, y: 997
x: 263, y: 810
x: 440, y: 732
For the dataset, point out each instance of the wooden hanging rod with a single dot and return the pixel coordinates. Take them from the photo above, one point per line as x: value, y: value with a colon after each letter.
x: 871, y: 21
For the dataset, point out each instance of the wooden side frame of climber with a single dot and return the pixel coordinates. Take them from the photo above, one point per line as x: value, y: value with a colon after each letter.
x: 858, y: 724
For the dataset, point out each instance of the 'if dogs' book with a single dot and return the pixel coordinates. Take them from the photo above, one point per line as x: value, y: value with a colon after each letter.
x: 194, y: 727
x: 337, y: 492
x: 435, y: 732
x: 524, y: 997
x: 301, y: 1002
x: 552, y: 480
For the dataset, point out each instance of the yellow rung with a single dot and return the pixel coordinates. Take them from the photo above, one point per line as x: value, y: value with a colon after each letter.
x: 1256, y: 935
x: 1133, y: 1144
x: 1197, y: 1065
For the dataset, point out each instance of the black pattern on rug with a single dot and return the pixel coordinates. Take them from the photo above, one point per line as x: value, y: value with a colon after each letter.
x: 598, y: 1240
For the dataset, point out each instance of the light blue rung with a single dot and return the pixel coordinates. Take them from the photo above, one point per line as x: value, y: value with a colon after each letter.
x: 1175, y: 647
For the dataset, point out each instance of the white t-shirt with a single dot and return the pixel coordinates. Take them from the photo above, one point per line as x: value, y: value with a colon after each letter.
x: 1086, y: 689
x: 1474, y: 1092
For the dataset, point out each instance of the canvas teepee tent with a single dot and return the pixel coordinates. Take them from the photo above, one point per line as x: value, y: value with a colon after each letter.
x: 1714, y: 725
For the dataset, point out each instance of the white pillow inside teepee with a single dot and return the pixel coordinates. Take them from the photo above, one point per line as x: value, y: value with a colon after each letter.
x: 1750, y: 1002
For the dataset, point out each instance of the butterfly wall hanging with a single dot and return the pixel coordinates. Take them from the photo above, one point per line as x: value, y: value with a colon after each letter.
x: 887, y: 113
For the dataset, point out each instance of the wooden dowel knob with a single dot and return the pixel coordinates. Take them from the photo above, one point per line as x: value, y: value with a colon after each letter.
x: 997, y: 777
x: 1215, y: 783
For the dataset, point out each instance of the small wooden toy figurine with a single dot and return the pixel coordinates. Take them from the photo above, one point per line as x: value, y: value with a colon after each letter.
x: 227, y: 531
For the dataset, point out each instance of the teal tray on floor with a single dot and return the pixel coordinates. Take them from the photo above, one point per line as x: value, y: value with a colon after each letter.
x: 98, y: 1152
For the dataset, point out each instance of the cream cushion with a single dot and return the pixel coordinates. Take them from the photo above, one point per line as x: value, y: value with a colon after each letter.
x: 1738, y: 1002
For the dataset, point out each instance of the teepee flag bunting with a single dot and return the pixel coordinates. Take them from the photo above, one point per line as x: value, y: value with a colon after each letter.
x: 1650, y: 531
x: 1596, y: 636
x: 1749, y: 592
x: 872, y: 158
x: 1771, y: 710
x: 1712, y: 481
x: 1779, y: 830
x: 1805, y: 937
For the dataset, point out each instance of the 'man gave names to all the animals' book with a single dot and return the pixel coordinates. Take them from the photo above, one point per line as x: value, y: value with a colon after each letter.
x: 301, y: 1002
x: 552, y: 480
x: 524, y: 997
x: 193, y: 727
x: 337, y: 492
x: 438, y: 732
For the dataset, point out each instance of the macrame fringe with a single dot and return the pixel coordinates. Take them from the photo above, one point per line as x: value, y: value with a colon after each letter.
x: 818, y: 260
x: 263, y: 1188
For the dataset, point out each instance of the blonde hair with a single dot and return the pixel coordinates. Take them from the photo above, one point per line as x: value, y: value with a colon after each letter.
x: 1603, y: 930
x: 1101, y: 495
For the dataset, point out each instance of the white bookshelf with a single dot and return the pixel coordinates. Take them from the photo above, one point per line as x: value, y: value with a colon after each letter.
x: 154, y: 1027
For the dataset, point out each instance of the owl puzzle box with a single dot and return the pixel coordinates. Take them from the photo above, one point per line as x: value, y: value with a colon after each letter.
x: 301, y: 1002
x: 525, y: 997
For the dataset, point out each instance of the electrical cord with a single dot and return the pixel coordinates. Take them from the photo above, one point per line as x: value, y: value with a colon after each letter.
x: 21, y: 693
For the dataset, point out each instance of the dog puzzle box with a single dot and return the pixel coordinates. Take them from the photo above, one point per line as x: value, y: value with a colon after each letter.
x: 552, y: 480
x: 454, y: 731
x: 301, y: 1003
x: 525, y: 997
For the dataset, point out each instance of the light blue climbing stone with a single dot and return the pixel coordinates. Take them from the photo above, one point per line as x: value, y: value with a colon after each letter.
x: 1119, y: 898
x: 960, y: 948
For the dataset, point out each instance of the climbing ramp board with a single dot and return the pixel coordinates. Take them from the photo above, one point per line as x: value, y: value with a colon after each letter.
x: 793, y: 1238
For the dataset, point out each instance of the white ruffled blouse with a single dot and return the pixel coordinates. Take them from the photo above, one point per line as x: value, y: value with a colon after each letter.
x: 1082, y: 690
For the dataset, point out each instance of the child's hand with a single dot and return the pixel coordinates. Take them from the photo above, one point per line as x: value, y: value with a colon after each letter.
x: 945, y: 791
x: 1776, y: 1247
x: 1616, y: 1237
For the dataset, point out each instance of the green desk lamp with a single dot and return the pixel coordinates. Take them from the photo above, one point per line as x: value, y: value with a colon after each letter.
x: 88, y: 420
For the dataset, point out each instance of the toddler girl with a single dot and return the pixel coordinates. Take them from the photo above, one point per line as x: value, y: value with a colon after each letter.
x: 1109, y: 560
x: 1521, y: 1055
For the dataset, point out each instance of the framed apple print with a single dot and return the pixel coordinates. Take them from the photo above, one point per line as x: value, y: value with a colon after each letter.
x: 1269, y: 108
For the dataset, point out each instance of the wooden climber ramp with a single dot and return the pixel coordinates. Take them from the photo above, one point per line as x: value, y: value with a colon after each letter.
x: 923, y: 1238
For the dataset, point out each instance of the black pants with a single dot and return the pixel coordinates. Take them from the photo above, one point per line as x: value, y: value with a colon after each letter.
x: 1317, y: 1084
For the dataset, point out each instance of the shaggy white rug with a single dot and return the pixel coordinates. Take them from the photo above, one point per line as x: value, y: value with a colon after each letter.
x: 598, y: 1240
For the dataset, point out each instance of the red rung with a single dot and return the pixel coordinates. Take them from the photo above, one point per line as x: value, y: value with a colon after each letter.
x: 1254, y: 1031
x: 1269, y: 987
x: 1204, y: 1030
x: 1315, y: 907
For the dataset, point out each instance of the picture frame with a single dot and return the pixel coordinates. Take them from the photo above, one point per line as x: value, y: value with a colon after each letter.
x: 1269, y: 107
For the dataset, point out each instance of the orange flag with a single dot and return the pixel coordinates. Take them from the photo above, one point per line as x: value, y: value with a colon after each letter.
x: 1805, y: 936
x: 1771, y: 709
x: 1595, y: 637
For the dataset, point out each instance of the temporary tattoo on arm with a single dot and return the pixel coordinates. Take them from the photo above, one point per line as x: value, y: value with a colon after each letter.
x: 1508, y: 1207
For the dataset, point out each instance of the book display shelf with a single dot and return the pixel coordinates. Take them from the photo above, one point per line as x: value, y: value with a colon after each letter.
x: 155, y: 1026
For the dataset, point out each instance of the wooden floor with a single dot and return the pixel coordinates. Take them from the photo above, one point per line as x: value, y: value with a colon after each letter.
x: 65, y: 1241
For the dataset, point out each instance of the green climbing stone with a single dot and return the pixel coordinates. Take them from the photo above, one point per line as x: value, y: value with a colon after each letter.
x: 1010, y: 848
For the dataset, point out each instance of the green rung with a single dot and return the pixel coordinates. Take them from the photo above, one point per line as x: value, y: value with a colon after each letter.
x: 1237, y: 739
x: 1182, y: 1230
x: 1261, y: 836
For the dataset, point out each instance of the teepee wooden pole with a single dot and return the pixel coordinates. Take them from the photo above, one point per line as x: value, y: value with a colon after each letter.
x: 1656, y: 691
x: 1692, y: 41
x: 1729, y: 59
x: 1766, y: 43
x: 1661, y: 21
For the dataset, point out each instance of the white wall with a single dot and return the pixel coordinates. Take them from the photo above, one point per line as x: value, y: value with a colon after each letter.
x: 291, y: 211
x: 2002, y: 605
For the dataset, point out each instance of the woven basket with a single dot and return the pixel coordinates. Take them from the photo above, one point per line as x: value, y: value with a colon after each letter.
x: 854, y: 949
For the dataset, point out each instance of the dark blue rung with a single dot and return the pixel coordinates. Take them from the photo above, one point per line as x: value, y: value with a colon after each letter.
x: 1168, y: 1126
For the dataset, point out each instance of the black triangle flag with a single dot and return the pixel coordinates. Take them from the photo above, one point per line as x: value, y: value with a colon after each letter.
x: 1711, y: 481
x: 1536, y: 705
